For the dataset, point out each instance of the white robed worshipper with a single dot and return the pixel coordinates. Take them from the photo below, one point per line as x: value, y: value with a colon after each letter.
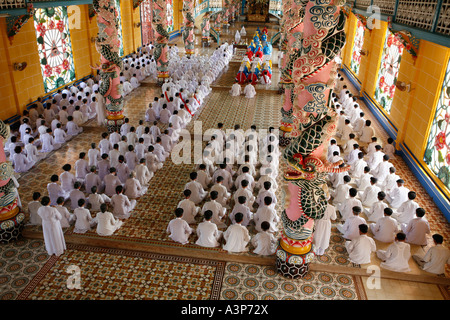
x: 236, y: 236
x: 376, y: 211
x: 217, y: 210
x: 111, y: 182
x: 386, y: 227
x: 97, y: 199
x: 398, y: 194
x: 266, y: 213
x: 67, y: 217
x: 396, y: 256
x: 83, y: 219
x: 243, y: 33
x: 322, y: 231
x: 133, y: 188
x: 51, y: 228
x: 190, y: 210
x: 143, y: 174
x: 237, y: 37
x: 235, y: 89
x: 121, y: 204
x: 407, y: 211
x: 106, y: 223
x: 370, y: 194
x: 264, y: 242
x: 417, y: 229
x: 435, y: 258
x: 249, y: 91
x: 197, y: 191
x: 207, y: 232
x: 178, y: 229
x: 360, y: 248
x: 349, y: 229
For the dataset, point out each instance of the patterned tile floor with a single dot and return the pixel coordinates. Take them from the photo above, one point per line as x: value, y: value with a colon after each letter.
x: 27, y: 272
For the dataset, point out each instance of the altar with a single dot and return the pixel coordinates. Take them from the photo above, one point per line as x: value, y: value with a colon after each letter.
x: 258, y: 10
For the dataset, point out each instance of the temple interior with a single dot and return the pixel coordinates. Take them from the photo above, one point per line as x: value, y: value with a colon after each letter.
x: 395, y: 62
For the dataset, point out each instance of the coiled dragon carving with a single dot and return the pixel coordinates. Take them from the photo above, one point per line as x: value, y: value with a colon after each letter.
x: 310, y: 73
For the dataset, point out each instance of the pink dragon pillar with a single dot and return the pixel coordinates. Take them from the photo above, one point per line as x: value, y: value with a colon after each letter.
x: 159, y: 24
x: 107, y: 44
x: 313, y: 124
x: 188, y: 32
x: 11, y: 217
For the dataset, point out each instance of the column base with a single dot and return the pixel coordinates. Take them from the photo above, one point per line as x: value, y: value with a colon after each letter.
x: 114, y: 124
x: 11, y: 228
x: 292, y: 266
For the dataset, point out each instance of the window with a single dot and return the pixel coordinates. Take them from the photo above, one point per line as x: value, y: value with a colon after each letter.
x: 437, y: 152
x: 357, y: 46
x: 169, y: 15
x: 54, y: 47
x: 119, y: 27
x: 146, y: 18
x: 387, y: 76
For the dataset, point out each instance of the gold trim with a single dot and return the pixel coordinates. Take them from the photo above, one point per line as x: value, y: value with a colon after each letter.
x: 295, y: 250
x: 115, y: 117
x: 10, y: 214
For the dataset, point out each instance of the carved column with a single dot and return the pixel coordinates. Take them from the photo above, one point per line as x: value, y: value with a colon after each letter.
x: 108, y: 44
x: 159, y: 24
x: 206, y: 28
x: 313, y: 124
x: 11, y: 217
x: 188, y: 32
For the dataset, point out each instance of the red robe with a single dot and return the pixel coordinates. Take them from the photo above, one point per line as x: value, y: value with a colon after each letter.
x: 241, y: 77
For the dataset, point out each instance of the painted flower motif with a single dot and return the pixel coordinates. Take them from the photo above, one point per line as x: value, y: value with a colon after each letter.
x: 447, y: 116
x: 65, y: 64
x: 48, y: 70
x: 381, y: 81
x: 440, y: 143
x: 447, y: 158
x: 60, y: 26
x: 41, y: 29
x: 51, y: 24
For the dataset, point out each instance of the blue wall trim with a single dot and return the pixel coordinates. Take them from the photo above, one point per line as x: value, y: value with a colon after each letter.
x: 174, y: 34
x: 439, y: 198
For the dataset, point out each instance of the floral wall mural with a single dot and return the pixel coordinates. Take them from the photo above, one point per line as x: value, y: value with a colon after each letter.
x: 54, y: 46
x: 357, y: 46
x: 437, y: 152
x: 387, y: 76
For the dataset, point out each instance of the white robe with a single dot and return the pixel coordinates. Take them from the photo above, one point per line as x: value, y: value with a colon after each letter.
x: 134, y: 189
x: 237, y: 238
x: 122, y: 206
x: 360, y: 249
x: 84, y: 221
x: 385, y: 229
x: 179, y: 230
x: 266, y: 213
x: 235, y: 90
x: 265, y: 243
x: 208, y: 234
x: 218, y: 212
x: 350, y: 229
x: 107, y: 224
x: 322, y: 231
x: 190, y: 211
x: 416, y: 231
x: 249, y: 91
x: 53, y: 233
x: 396, y: 257
x: 197, y: 191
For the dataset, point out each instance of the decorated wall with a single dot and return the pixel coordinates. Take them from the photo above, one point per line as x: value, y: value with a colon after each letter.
x: 19, y: 88
x: 411, y: 115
